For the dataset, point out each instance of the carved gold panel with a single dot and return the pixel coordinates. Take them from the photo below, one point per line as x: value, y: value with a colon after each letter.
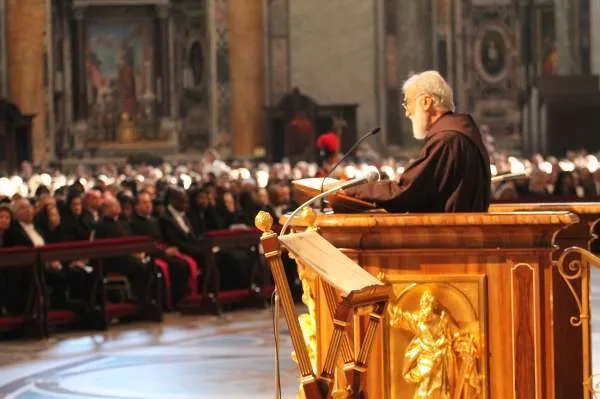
x: 436, y: 337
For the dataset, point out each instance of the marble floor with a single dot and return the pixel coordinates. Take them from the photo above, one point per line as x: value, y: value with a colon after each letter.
x: 185, y: 357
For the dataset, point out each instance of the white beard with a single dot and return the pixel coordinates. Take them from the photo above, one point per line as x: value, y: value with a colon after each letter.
x: 419, y: 123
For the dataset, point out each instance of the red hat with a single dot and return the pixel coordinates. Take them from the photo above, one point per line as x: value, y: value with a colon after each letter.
x: 329, y: 142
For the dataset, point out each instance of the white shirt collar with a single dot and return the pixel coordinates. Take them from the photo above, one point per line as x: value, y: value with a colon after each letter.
x: 35, y: 237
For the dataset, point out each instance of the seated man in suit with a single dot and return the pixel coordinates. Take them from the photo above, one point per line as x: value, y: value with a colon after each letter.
x: 177, y: 231
x: 90, y: 215
x: 180, y: 268
x: 133, y: 266
x: 23, y: 232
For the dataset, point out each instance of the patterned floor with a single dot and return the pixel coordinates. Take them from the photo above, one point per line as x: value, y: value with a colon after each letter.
x: 184, y: 358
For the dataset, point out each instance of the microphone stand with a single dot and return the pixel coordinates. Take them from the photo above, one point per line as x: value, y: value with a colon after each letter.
x: 350, y: 151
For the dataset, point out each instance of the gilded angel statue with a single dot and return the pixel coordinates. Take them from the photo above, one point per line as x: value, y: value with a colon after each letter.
x: 440, y: 359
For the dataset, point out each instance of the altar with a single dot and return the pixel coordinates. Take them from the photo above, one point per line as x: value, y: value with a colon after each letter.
x: 471, y: 314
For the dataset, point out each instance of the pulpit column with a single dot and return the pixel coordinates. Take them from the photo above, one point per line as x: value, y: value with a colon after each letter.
x: 81, y: 83
x: 163, y: 43
x: 246, y: 63
x: 26, y: 23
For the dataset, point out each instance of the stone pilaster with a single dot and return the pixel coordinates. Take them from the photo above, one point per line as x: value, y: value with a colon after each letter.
x: 414, y: 46
x: 246, y: 63
x: 26, y: 25
x: 566, y: 16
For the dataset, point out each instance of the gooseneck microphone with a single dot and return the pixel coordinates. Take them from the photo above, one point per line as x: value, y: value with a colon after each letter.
x: 371, y: 176
x: 370, y: 133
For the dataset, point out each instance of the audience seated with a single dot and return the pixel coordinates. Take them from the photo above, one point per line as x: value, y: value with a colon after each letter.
x: 90, y: 215
x: 185, y: 206
x: 182, y: 270
x: 135, y: 266
x: 23, y: 232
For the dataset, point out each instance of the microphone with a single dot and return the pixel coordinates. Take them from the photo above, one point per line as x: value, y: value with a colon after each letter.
x: 370, y: 133
x: 371, y: 176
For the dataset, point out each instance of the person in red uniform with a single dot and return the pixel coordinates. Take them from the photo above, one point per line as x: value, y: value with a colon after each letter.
x: 329, y: 152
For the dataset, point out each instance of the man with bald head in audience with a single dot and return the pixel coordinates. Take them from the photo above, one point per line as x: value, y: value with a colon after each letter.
x: 90, y: 215
x: 144, y: 224
x: 133, y: 266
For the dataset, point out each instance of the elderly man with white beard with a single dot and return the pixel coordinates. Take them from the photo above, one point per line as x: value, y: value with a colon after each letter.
x: 451, y: 172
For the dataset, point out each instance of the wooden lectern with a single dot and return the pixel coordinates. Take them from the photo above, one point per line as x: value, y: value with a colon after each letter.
x: 471, y: 311
x: 341, y: 277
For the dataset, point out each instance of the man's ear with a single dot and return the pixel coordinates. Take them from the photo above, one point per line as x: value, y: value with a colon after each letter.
x: 427, y: 103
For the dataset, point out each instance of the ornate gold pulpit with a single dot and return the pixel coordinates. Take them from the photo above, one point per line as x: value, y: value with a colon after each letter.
x: 471, y: 310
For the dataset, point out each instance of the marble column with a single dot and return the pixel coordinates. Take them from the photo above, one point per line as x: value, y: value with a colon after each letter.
x: 246, y: 63
x: 81, y: 100
x: 26, y: 24
x: 163, y: 46
x: 595, y: 37
x: 414, y: 46
x: 568, y: 42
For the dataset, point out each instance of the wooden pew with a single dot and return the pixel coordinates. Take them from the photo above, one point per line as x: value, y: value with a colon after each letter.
x: 100, y: 312
x: 32, y: 321
x: 258, y: 289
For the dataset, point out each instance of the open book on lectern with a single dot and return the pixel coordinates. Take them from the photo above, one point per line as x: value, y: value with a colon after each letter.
x: 340, y: 202
x: 329, y: 262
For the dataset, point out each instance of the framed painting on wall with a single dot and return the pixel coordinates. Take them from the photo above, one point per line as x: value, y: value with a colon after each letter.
x: 120, y: 76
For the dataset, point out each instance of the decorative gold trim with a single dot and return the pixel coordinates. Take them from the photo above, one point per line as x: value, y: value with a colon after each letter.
x: 579, y: 268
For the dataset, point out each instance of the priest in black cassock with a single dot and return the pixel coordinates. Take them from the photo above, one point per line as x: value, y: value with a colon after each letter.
x: 451, y: 172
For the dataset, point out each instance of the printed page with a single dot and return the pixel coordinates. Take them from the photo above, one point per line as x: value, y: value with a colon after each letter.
x: 314, y: 183
x: 329, y: 262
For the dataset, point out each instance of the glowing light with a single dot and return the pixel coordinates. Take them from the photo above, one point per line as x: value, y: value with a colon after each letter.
x: 262, y: 178
x: 245, y: 174
x: 546, y: 167
x: 350, y: 171
x: 59, y: 181
x: 493, y: 170
x: 592, y: 163
x: 389, y: 171
x: 516, y: 166
x: 566, y: 165
x: 399, y: 170
x: 6, y: 187
x: 186, y: 180
x: 46, y: 179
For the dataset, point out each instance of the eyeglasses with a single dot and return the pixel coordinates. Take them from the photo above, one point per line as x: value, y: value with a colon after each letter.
x: 405, y: 102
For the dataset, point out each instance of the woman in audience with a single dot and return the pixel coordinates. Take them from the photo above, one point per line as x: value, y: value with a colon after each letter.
x: 70, y: 214
x: 228, y: 211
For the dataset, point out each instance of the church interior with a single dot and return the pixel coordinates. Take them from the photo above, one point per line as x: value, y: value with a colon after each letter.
x: 300, y: 198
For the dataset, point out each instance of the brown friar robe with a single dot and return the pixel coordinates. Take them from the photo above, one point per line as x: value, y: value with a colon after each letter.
x: 451, y: 173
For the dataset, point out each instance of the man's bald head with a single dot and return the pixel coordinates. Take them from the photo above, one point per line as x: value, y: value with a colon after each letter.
x: 110, y: 208
x: 92, y: 200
